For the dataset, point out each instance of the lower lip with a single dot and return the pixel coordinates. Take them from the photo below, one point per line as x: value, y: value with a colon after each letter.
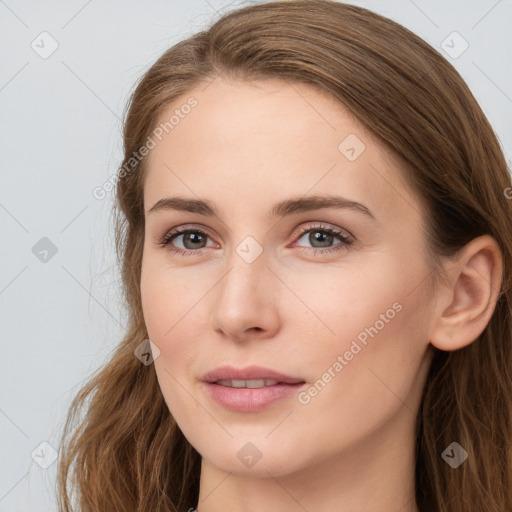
x: 250, y: 399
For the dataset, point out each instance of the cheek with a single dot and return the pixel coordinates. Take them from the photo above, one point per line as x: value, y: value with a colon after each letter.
x: 374, y: 366
x: 165, y: 315
x: 353, y: 398
x: 171, y: 304
x: 335, y: 305
x: 371, y: 340
x: 166, y: 300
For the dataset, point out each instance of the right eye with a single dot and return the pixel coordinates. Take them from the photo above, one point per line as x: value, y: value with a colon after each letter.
x: 191, y: 237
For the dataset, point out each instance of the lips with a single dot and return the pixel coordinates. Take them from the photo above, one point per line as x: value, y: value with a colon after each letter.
x: 249, y: 373
x: 229, y: 387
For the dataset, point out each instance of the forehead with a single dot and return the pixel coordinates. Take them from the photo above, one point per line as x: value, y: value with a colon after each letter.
x: 259, y: 142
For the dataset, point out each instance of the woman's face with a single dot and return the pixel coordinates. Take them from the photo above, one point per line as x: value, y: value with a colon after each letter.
x: 335, y: 297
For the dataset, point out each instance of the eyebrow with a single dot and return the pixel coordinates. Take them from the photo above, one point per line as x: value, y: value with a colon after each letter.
x: 286, y: 207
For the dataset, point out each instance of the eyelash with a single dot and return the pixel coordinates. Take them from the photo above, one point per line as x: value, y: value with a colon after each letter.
x: 344, y: 245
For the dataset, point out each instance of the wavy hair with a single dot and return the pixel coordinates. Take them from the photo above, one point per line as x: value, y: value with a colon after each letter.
x: 126, y: 452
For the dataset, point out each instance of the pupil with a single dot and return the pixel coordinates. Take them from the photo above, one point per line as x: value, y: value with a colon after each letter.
x: 319, y: 236
x: 190, y: 236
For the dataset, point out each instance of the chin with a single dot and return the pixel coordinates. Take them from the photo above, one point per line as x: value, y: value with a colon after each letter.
x: 248, y: 460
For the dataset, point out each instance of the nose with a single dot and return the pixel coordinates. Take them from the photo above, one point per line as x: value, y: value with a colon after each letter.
x: 246, y: 303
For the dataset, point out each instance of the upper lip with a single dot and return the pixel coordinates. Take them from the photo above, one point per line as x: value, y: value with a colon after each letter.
x: 248, y: 373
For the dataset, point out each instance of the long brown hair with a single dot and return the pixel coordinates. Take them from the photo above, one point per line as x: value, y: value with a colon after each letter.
x: 127, y: 453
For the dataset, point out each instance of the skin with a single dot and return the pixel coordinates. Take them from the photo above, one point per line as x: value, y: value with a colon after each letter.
x: 245, y: 147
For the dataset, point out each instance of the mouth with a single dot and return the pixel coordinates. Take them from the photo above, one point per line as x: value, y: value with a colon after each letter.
x: 253, y: 384
x: 250, y: 389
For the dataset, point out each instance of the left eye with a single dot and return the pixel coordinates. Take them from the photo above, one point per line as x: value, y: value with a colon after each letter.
x: 324, y: 236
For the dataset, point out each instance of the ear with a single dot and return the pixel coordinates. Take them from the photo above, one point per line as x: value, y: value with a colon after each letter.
x: 466, y: 303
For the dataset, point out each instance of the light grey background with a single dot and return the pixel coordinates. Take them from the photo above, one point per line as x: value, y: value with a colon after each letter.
x: 61, y: 137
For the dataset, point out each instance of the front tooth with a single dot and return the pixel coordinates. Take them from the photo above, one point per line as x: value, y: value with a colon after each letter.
x: 238, y: 383
x: 260, y: 383
x: 255, y: 383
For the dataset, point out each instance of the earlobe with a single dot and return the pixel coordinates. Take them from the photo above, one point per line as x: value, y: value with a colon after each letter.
x: 465, y: 307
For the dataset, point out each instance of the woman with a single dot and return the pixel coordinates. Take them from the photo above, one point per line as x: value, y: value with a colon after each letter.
x: 315, y: 240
